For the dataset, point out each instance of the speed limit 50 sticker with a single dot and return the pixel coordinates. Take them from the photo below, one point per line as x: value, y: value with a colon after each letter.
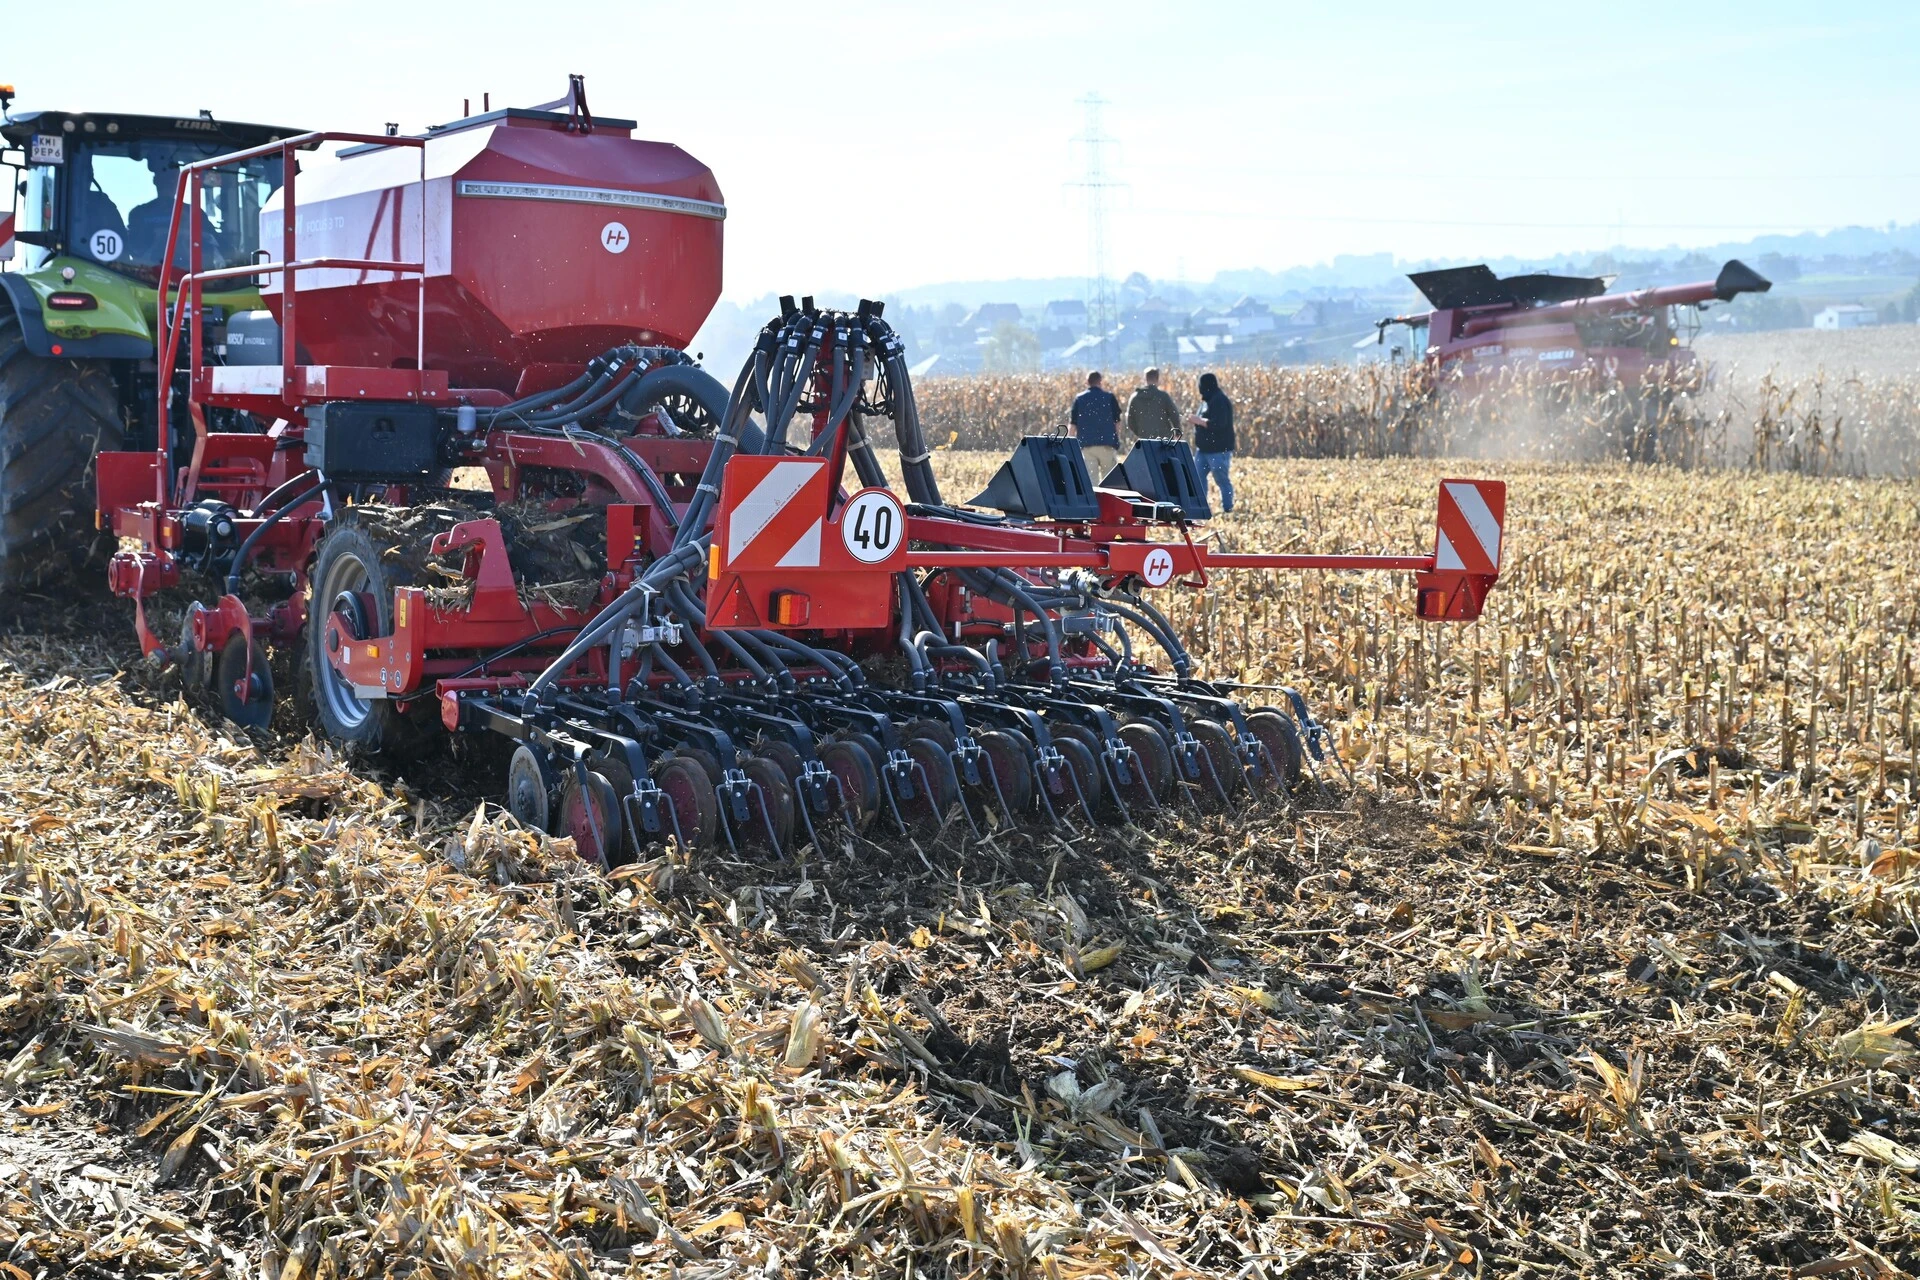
x: 873, y: 526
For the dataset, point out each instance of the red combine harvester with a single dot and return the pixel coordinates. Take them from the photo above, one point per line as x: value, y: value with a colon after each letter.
x: 739, y: 639
x: 1481, y: 324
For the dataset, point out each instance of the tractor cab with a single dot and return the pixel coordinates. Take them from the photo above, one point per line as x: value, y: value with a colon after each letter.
x: 100, y: 188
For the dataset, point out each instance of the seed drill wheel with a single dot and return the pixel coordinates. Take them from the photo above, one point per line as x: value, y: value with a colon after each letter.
x: 1151, y: 769
x: 771, y: 791
x: 786, y: 756
x: 936, y: 789
x: 852, y: 767
x: 928, y: 727
x: 620, y: 778
x: 1274, y: 731
x: 530, y: 787
x: 695, y: 809
x: 590, y: 813
x: 1083, y: 791
x: 369, y: 552
x: 1089, y: 744
x: 244, y: 682
x: 1221, y: 759
x: 1007, y: 762
x: 55, y: 415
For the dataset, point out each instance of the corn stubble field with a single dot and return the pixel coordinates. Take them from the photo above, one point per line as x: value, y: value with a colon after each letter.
x: 1603, y: 963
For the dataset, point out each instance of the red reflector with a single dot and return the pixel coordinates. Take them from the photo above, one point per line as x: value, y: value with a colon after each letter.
x: 789, y: 609
x: 56, y: 348
x: 72, y: 301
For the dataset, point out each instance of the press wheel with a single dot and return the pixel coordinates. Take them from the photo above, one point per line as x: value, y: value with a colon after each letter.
x: 1274, y: 731
x: 1009, y: 758
x: 688, y: 792
x: 772, y: 789
x: 530, y: 787
x: 850, y: 764
x: 1225, y: 760
x: 1151, y: 768
x: 936, y: 789
x: 590, y: 813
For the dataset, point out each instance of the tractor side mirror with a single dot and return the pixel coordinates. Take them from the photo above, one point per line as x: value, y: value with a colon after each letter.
x: 14, y: 157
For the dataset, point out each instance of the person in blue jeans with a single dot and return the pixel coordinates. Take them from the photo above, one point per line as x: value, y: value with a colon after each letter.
x: 1213, y: 438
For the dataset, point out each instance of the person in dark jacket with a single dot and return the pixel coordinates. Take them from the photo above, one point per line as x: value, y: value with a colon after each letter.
x: 1096, y: 425
x: 1213, y: 438
x: 1151, y: 414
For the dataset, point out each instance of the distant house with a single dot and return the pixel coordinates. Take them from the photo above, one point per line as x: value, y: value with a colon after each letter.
x: 1249, y: 316
x: 989, y: 316
x: 1068, y: 313
x: 1847, y: 315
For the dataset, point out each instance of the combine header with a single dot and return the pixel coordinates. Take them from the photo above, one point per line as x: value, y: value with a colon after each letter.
x: 694, y: 615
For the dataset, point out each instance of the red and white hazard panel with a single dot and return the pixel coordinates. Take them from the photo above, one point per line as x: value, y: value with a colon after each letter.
x: 1470, y: 519
x: 775, y: 509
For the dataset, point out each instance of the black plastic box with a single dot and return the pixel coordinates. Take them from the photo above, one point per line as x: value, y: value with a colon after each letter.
x: 373, y: 440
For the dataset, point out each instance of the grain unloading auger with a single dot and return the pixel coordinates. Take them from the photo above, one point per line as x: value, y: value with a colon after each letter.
x: 689, y: 619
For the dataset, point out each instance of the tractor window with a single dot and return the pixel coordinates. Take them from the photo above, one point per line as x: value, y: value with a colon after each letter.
x: 36, y: 210
x: 121, y: 199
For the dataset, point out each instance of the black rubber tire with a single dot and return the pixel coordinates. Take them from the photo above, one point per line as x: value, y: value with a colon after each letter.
x: 708, y: 762
x: 591, y: 815
x: 1219, y: 748
x: 690, y: 793
x: 1274, y: 730
x: 620, y: 778
x: 530, y: 788
x: 1009, y: 759
x: 55, y: 415
x: 784, y: 754
x: 936, y: 788
x: 1086, y: 772
x: 1152, y: 766
x: 692, y: 397
x: 771, y: 788
x: 928, y: 727
x: 859, y: 784
x: 367, y: 537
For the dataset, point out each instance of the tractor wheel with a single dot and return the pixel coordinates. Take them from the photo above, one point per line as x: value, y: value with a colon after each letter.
x: 54, y: 416
x: 368, y: 552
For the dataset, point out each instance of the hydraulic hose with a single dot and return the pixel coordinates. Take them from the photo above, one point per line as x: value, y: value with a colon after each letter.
x: 247, y: 544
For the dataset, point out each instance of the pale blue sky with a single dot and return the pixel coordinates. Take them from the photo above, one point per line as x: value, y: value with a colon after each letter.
x: 869, y: 147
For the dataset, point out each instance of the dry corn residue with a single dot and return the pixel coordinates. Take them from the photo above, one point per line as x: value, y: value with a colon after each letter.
x: 1605, y: 962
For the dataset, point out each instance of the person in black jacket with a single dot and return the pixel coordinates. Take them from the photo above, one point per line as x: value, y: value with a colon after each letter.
x: 1213, y: 438
x: 1095, y: 419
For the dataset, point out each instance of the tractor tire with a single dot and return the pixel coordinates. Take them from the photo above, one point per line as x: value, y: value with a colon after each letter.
x: 55, y: 415
x: 366, y: 553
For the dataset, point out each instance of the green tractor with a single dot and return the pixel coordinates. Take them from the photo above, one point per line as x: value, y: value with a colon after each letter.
x: 80, y: 264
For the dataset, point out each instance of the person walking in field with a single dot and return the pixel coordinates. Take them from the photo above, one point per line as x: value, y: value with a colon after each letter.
x: 1096, y: 425
x: 1151, y: 414
x: 1213, y: 438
